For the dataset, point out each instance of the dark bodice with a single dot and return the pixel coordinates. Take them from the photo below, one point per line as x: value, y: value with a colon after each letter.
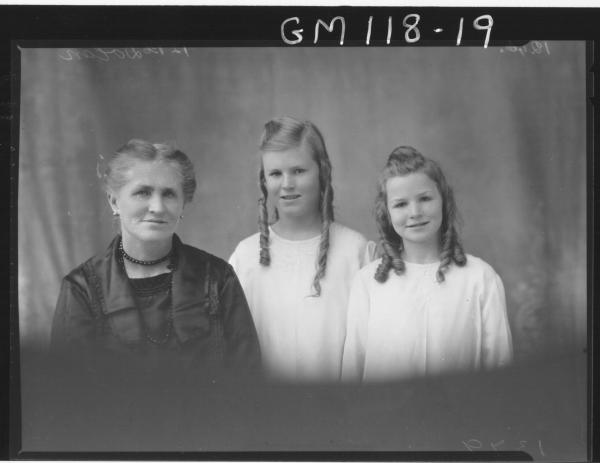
x: 201, y: 302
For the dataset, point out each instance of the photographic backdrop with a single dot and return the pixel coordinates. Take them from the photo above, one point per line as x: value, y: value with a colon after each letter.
x: 507, y: 125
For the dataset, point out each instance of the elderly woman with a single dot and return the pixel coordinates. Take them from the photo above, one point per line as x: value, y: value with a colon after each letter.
x: 149, y: 295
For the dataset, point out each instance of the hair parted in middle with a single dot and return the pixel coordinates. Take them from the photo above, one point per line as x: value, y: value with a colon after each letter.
x: 137, y: 150
x: 281, y: 134
x: 405, y: 160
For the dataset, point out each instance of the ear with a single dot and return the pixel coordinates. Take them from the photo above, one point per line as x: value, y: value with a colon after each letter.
x: 112, y: 200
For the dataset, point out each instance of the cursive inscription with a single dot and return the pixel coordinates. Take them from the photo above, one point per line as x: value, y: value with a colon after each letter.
x: 535, y: 47
x: 476, y: 444
x: 107, y: 54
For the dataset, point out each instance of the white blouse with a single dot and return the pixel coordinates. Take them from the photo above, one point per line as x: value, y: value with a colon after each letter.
x: 301, y: 336
x: 411, y: 325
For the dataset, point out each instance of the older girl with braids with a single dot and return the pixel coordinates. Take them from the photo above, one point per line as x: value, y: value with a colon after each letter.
x: 296, y: 271
x: 425, y: 307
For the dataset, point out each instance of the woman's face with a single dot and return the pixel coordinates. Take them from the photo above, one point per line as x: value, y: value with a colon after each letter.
x: 292, y: 180
x: 415, y: 207
x: 150, y: 203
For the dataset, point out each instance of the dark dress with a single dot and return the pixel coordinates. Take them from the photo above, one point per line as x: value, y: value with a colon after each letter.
x: 195, y: 316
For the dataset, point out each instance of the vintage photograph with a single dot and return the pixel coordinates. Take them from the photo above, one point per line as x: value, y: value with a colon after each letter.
x: 313, y: 249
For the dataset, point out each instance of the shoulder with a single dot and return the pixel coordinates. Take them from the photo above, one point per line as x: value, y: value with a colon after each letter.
x: 478, y: 265
x: 367, y: 273
x: 479, y: 269
x: 81, y: 274
x: 248, y: 244
x: 198, y: 259
x: 247, y: 250
x: 371, y: 267
x: 342, y: 234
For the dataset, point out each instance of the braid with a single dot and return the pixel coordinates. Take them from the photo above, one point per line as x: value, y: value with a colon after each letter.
x: 326, y: 220
x: 263, y: 222
x: 446, y: 254
x: 459, y: 256
x: 452, y: 252
x: 391, y: 259
x: 391, y: 244
x: 451, y: 249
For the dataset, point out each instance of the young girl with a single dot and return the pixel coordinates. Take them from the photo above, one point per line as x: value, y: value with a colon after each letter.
x: 425, y: 307
x: 296, y: 272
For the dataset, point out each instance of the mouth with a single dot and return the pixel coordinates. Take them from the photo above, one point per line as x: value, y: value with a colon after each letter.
x: 289, y: 197
x: 156, y: 221
x: 417, y: 225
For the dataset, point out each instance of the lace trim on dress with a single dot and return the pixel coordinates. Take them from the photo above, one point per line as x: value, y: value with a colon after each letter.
x: 151, y: 285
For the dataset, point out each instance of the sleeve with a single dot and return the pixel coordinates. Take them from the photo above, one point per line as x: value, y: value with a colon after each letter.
x: 73, y: 324
x: 233, y: 260
x: 353, y: 361
x: 370, y: 253
x: 496, y: 337
x: 237, y: 262
x: 242, y: 347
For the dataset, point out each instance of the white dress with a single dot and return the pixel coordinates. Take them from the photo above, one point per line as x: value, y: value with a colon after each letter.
x: 411, y: 325
x: 301, y: 336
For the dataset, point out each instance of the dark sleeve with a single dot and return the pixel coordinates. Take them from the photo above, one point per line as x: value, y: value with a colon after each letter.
x: 73, y: 325
x: 241, y: 340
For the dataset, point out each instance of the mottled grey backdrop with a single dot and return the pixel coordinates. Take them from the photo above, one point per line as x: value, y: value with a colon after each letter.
x: 509, y: 128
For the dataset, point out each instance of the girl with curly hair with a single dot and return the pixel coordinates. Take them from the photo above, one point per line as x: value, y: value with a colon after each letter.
x: 425, y: 307
x: 296, y: 271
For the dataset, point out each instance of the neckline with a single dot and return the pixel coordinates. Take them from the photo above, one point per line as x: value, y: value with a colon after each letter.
x: 429, y: 264
x: 156, y: 284
x: 298, y: 242
x: 151, y: 278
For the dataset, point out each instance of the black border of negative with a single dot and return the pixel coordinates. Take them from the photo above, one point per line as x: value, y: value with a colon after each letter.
x: 48, y: 26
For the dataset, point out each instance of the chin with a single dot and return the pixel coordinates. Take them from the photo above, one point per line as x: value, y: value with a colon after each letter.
x: 156, y: 236
x: 291, y: 211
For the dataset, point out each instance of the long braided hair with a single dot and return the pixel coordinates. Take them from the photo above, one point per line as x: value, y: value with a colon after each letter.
x: 402, y: 161
x: 281, y: 134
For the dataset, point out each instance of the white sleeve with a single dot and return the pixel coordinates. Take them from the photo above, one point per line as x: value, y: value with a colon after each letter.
x: 353, y: 361
x: 497, y: 348
x: 233, y: 260
x: 369, y: 253
x: 237, y: 262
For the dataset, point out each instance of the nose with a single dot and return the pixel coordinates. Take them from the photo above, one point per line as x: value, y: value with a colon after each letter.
x: 287, y: 182
x: 415, y: 209
x: 156, y: 204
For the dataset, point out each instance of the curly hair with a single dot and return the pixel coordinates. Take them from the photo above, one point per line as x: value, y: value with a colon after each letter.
x: 402, y: 161
x: 140, y: 150
x: 285, y: 133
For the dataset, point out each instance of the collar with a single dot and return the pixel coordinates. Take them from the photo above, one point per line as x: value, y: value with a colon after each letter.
x: 189, y: 289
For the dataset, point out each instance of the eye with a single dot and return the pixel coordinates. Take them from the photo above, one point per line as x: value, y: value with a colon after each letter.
x: 144, y: 192
x: 299, y: 170
x: 274, y: 173
x: 426, y: 198
x: 170, y: 194
x: 399, y: 204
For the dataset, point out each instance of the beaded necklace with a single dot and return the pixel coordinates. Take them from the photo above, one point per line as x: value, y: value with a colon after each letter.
x: 142, y: 262
x: 172, y: 266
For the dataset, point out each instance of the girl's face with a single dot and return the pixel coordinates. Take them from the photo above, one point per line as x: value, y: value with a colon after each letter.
x: 415, y: 207
x: 150, y: 203
x: 292, y: 180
